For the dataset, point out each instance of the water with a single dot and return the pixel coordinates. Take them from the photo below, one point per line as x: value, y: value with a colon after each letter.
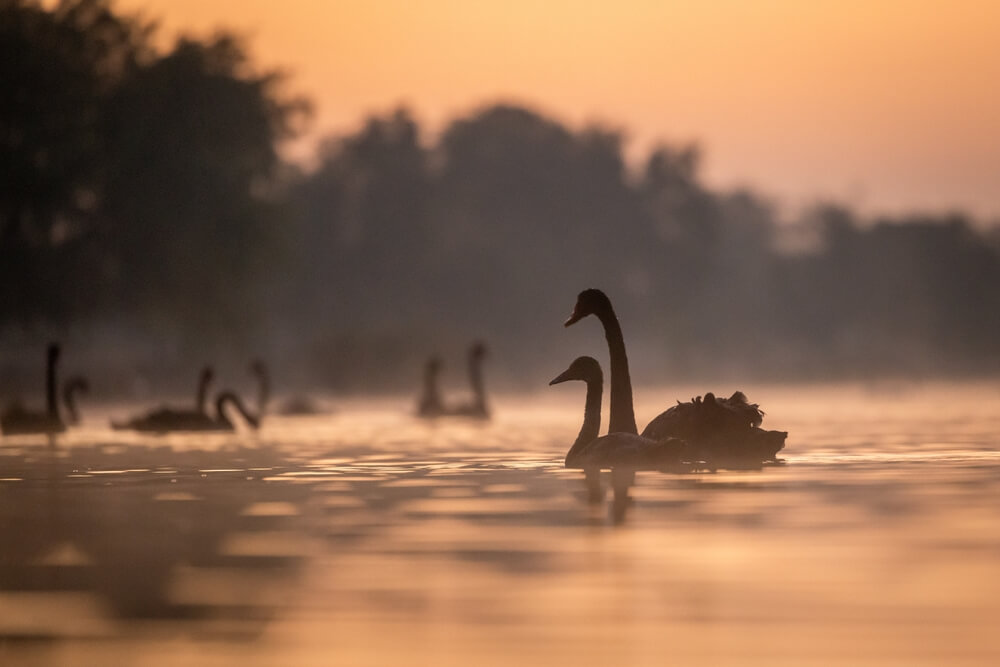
x: 368, y: 537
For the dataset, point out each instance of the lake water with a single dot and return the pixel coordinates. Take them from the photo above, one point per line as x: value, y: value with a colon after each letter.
x: 368, y: 537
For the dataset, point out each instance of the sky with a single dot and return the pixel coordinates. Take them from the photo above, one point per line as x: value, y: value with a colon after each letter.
x: 888, y: 105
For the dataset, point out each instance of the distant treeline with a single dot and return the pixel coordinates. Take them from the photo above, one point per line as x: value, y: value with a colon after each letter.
x: 142, y: 192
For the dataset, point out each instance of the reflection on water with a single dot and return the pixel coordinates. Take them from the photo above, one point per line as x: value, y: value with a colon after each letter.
x: 369, y: 537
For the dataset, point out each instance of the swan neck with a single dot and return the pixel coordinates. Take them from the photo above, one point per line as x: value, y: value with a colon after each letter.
x: 476, y: 381
x: 591, y: 419
x: 52, y: 403
x: 263, y: 393
x: 235, y: 401
x: 201, y: 398
x: 622, y: 411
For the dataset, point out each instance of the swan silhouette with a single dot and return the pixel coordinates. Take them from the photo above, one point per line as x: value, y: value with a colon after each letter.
x: 713, y: 427
x: 18, y: 420
x: 168, y: 421
x: 477, y: 407
x: 167, y: 418
x: 71, y: 388
x: 617, y: 449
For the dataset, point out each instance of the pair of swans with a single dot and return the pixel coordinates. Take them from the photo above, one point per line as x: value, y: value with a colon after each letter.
x: 703, y: 429
x: 18, y: 420
x: 430, y: 403
x: 169, y: 419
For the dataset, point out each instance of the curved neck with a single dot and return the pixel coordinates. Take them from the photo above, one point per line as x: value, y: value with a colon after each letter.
x: 234, y: 400
x: 51, y: 401
x: 201, y: 398
x: 263, y: 392
x: 591, y: 419
x: 622, y: 412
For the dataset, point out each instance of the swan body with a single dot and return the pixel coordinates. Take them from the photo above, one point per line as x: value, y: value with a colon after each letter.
x: 168, y: 421
x: 18, y: 420
x: 615, y: 450
x: 719, y: 427
x: 164, y: 419
x: 728, y: 427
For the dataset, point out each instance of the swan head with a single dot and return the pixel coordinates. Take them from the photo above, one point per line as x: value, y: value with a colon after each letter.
x: 583, y: 368
x: 588, y: 302
x: 206, y: 374
x: 434, y: 365
x: 53, y: 351
x: 478, y: 350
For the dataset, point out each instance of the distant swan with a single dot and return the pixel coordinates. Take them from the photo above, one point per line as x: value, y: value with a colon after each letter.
x: 165, y: 421
x: 477, y: 407
x: 18, y: 420
x: 71, y: 388
x: 713, y: 427
x: 615, y: 450
x: 174, y: 419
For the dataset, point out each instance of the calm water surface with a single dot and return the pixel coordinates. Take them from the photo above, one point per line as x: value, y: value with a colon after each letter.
x: 367, y: 537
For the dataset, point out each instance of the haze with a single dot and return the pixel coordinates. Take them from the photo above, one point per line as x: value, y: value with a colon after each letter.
x: 889, y: 106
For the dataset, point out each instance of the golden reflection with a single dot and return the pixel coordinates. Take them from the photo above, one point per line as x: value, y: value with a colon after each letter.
x: 355, y: 541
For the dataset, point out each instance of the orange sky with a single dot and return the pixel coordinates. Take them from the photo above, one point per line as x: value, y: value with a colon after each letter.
x: 887, y: 104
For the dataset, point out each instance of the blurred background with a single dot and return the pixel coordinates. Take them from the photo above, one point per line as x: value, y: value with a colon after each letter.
x: 776, y: 191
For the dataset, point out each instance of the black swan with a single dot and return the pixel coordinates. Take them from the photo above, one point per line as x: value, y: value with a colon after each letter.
x: 429, y: 404
x: 71, y: 388
x: 625, y: 450
x: 166, y: 421
x: 714, y: 427
x: 166, y: 418
x: 477, y: 407
x: 18, y: 420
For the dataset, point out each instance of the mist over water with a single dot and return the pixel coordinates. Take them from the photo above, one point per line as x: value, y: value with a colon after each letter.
x: 373, y: 537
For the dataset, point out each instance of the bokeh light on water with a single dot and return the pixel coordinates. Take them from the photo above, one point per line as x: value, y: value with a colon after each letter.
x: 368, y: 537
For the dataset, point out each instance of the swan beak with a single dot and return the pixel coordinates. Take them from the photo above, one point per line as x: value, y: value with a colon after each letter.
x: 574, y: 318
x: 563, y: 377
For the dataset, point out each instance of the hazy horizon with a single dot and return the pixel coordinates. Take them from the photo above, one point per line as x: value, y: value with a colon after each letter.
x: 885, y: 106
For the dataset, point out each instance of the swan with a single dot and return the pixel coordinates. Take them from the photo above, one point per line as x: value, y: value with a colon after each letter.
x: 429, y: 404
x: 712, y: 426
x: 617, y: 449
x: 18, y: 420
x: 71, y: 388
x: 478, y: 407
x: 174, y: 419
x: 167, y: 421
